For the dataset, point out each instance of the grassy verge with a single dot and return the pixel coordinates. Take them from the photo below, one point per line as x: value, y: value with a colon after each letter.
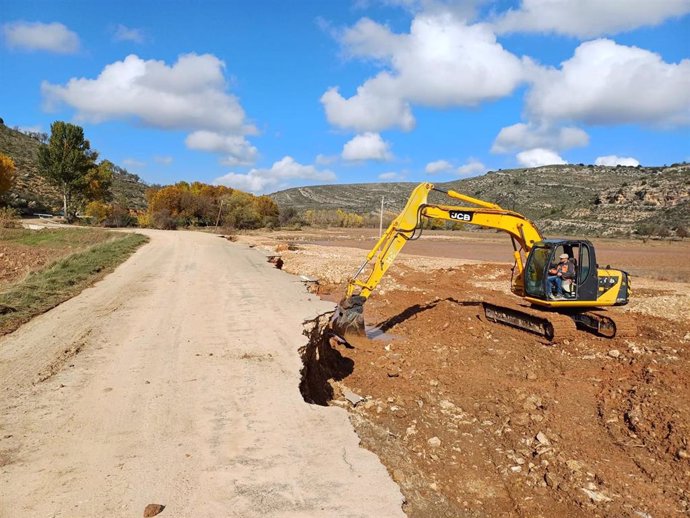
x: 62, y: 280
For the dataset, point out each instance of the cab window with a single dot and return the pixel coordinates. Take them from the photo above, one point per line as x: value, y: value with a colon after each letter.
x: 537, y: 265
x: 584, y: 263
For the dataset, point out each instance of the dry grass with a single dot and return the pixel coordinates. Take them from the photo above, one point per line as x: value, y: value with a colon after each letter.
x: 62, y: 280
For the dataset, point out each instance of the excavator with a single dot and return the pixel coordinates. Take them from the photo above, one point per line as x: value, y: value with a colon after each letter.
x: 591, y: 289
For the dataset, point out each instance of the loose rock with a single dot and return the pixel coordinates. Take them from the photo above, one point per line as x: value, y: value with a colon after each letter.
x: 153, y: 510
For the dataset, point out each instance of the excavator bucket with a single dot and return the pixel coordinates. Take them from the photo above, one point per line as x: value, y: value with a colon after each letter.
x: 348, y: 318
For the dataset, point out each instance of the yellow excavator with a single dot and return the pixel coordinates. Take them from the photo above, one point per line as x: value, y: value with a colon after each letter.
x: 589, y: 289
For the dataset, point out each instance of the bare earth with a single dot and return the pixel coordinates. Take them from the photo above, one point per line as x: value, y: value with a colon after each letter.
x: 175, y: 381
x: 478, y: 420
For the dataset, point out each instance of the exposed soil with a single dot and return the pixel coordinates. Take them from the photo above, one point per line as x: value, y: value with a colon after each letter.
x: 475, y: 419
x: 16, y: 261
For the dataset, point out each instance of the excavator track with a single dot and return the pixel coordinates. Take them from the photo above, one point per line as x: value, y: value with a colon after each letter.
x: 601, y: 323
x: 552, y: 326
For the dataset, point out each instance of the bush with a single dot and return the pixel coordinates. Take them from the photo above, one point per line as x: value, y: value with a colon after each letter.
x: 119, y: 217
x: 97, y: 211
x: 9, y: 218
x: 164, y: 220
x: 8, y: 173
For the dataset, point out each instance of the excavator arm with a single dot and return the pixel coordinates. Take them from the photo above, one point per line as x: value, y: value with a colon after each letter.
x: 348, y: 318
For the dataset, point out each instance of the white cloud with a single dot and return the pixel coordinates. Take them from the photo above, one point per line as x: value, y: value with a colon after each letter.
x: 368, y: 146
x: 133, y: 163
x: 588, y: 18
x: 472, y: 167
x: 239, y: 151
x: 613, y: 160
x: 438, y: 166
x: 527, y: 136
x: 607, y: 83
x: 51, y: 37
x: 163, y: 159
x: 189, y: 95
x: 538, y: 157
x: 326, y: 159
x: 31, y: 129
x: 391, y: 176
x: 369, y: 110
x: 278, y: 176
x: 442, y: 62
x: 124, y: 33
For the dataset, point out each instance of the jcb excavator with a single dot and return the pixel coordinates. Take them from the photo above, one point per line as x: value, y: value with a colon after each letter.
x: 592, y: 287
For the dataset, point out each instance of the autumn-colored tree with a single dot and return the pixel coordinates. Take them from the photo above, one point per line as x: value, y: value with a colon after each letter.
x: 66, y: 161
x: 97, y: 211
x: 98, y: 182
x: 7, y: 174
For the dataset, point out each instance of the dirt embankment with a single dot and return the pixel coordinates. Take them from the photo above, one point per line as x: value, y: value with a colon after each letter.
x: 474, y: 419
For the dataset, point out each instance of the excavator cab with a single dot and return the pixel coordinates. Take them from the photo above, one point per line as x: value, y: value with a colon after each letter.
x: 545, y: 254
x: 590, y: 285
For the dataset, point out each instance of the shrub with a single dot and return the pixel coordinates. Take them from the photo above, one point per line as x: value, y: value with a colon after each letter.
x: 97, y: 211
x: 164, y: 220
x: 9, y: 218
x: 8, y: 173
x: 119, y: 217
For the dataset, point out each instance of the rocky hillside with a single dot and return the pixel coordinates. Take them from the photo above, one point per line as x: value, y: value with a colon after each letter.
x: 564, y: 199
x: 32, y: 193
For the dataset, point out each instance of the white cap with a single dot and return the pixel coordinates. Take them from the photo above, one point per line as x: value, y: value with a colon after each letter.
x: 564, y: 256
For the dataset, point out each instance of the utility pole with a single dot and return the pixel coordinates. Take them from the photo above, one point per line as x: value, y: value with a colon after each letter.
x: 381, y: 219
x: 218, y: 218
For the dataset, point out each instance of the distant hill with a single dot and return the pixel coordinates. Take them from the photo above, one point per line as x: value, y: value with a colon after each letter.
x: 32, y: 193
x: 565, y: 199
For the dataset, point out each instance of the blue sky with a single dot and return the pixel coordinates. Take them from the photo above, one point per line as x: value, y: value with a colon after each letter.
x: 267, y: 94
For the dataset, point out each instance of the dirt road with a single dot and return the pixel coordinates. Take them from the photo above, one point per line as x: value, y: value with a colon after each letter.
x: 175, y: 381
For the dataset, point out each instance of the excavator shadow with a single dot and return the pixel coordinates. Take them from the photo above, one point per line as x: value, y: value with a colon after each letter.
x: 410, y: 312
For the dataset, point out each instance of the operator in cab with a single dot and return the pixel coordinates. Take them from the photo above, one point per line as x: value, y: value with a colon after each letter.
x: 564, y: 269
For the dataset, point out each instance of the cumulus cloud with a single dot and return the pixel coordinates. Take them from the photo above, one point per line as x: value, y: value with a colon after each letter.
x: 50, y: 37
x: 190, y: 95
x: 238, y: 150
x: 608, y: 83
x: 588, y: 18
x: 124, y: 33
x: 472, y: 167
x: 613, y: 160
x: 528, y: 136
x: 442, y: 62
x: 279, y: 176
x: 368, y: 146
x: 538, y: 157
x: 438, y: 166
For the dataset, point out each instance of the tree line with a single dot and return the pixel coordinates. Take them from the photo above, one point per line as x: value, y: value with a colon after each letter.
x: 66, y: 161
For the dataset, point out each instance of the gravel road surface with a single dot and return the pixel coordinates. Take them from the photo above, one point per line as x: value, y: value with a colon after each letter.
x: 174, y: 381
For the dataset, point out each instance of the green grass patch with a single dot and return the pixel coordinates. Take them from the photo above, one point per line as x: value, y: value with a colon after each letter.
x: 62, y: 280
x: 56, y: 237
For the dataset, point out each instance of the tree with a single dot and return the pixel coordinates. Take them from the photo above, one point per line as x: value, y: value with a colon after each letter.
x: 7, y: 173
x: 66, y: 161
x: 98, y: 182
